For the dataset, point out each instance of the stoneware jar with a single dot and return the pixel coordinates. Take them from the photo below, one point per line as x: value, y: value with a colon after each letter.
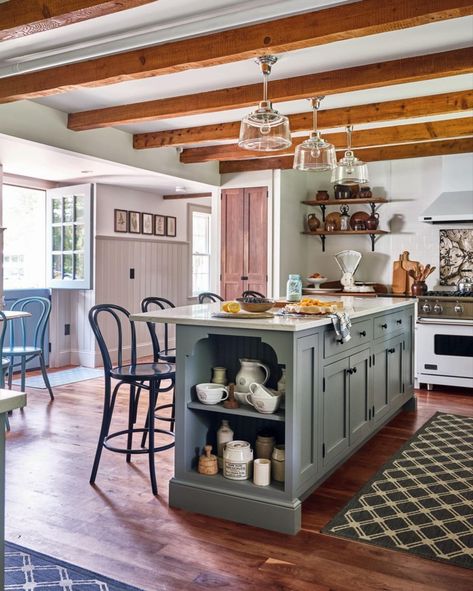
x: 237, y: 460
x: 264, y: 445
x: 313, y: 222
x: 372, y: 222
x: 278, y: 462
x: 219, y: 375
x: 322, y: 195
x: 419, y: 288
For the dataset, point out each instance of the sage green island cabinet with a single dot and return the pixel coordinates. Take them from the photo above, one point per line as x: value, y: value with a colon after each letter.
x: 337, y: 396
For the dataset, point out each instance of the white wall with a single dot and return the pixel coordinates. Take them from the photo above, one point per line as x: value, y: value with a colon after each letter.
x: 410, y: 185
x: 109, y: 197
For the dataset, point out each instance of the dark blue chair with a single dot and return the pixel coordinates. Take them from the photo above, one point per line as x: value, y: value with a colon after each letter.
x: 208, y: 296
x: 27, y: 351
x: 138, y: 376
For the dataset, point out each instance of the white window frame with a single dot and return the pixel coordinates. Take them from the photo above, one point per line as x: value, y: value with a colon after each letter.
x: 191, y: 209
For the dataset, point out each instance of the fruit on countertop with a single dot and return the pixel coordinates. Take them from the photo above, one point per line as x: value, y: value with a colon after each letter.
x: 231, y: 307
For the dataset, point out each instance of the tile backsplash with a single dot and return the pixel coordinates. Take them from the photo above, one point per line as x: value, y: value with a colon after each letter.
x: 456, y: 255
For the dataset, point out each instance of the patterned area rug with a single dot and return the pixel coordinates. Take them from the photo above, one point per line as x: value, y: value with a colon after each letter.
x: 421, y: 501
x: 61, y: 378
x: 27, y: 570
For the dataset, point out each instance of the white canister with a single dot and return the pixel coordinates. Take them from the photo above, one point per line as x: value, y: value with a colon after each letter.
x: 237, y: 460
x: 278, y: 462
x: 262, y: 472
x: 224, y: 435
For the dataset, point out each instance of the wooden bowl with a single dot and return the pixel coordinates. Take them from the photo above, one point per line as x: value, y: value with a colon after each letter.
x: 256, y: 307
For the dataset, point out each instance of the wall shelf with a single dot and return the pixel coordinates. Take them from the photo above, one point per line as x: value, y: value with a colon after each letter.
x: 373, y: 234
x: 243, y: 411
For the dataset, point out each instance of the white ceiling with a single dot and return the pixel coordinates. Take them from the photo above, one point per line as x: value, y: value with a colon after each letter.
x: 26, y: 158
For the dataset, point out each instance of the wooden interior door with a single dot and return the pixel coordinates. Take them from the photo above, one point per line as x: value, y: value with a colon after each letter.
x: 232, y: 248
x: 244, y: 250
x: 256, y: 239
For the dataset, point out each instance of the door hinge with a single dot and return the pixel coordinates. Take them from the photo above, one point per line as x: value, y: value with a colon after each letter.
x: 220, y: 277
x: 49, y: 347
x: 373, y: 411
x: 323, y: 384
x: 323, y: 450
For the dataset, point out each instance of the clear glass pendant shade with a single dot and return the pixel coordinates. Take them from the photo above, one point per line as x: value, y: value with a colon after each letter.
x: 315, y: 154
x: 350, y: 170
x: 265, y: 130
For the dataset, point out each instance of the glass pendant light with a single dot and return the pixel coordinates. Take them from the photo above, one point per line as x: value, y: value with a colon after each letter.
x: 315, y: 154
x: 265, y: 130
x: 350, y: 170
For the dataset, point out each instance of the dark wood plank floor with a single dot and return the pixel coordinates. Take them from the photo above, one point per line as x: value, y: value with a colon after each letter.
x: 119, y: 529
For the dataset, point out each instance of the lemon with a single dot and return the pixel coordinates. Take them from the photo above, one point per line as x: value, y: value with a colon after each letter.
x: 233, y: 307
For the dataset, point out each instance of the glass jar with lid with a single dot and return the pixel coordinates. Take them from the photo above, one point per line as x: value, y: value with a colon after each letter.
x: 294, y: 288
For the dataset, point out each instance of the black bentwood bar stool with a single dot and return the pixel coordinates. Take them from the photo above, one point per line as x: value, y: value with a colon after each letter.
x: 253, y: 294
x: 165, y: 354
x: 207, y: 296
x: 137, y: 376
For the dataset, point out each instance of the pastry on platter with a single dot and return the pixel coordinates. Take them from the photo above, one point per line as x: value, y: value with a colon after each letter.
x: 314, y: 306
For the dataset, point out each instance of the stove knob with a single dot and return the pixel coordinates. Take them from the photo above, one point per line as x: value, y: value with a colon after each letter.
x: 458, y: 308
x: 438, y: 309
x: 426, y: 308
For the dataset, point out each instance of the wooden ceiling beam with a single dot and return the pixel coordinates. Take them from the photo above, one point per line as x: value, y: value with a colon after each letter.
x: 439, y: 104
x: 20, y: 18
x: 353, y: 20
x: 377, y: 136
x: 401, y: 151
x: 399, y: 71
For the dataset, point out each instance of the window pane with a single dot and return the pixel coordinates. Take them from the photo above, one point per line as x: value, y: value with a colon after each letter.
x: 69, y: 209
x: 79, y: 234
x: 57, y: 233
x: 24, y: 216
x: 67, y: 266
x: 57, y: 211
x: 78, y: 208
x: 78, y: 266
x: 57, y: 266
x: 200, y: 273
x: 68, y: 234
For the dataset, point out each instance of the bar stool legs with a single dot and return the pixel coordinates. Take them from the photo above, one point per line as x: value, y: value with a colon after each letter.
x: 154, y: 387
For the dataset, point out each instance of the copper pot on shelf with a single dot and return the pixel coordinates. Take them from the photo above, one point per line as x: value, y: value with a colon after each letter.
x: 322, y: 195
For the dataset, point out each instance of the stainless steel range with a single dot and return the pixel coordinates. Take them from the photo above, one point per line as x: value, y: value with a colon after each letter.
x: 445, y: 338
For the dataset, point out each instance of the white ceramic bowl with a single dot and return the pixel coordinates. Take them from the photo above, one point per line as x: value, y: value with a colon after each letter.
x: 264, y: 405
x: 211, y: 393
x: 316, y: 281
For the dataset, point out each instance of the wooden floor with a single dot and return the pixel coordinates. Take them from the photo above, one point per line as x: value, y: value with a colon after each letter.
x: 119, y: 529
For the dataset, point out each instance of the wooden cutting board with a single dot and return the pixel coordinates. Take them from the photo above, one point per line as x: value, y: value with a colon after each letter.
x: 399, y: 282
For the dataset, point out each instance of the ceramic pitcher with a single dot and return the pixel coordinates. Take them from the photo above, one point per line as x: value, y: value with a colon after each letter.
x: 251, y: 370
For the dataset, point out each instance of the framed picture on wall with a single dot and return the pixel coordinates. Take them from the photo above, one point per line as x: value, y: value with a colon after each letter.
x: 120, y: 220
x: 160, y: 225
x: 170, y: 226
x: 147, y: 223
x: 134, y: 222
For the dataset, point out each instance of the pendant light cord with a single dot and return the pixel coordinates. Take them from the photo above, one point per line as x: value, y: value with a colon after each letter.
x: 349, y: 132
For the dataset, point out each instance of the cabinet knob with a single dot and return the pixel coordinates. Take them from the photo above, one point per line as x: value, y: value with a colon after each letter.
x: 352, y: 370
x: 398, y: 321
x: 391, y: 350
x: 339, y: 341
x: 384, y: 326
x: 363, y: 333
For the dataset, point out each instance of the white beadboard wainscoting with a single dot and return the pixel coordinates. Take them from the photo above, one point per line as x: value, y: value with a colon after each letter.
x: 161, y: 269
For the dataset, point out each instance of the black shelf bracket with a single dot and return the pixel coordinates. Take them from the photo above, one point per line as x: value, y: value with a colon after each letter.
x: 322, y: 209
x: 322, y: 238
x: 373, y: 241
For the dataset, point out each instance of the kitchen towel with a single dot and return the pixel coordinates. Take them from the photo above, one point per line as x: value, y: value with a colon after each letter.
x: 341, y: 324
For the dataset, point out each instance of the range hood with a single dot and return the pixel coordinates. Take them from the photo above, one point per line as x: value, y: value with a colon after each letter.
x: 450, y: 207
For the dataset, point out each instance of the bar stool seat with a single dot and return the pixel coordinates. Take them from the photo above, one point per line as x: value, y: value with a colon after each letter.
x: 143, y: 371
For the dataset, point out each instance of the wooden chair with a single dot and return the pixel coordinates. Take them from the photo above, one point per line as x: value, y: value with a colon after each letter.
x: 208, y: 296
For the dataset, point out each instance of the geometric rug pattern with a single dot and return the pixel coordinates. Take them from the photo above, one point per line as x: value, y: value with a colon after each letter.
x: 63, y: 377
x: 27, y: 570
x: 421, y: 501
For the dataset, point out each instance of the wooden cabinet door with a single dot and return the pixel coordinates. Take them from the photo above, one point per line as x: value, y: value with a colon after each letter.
x: 359, y: 396
x: 244, y: 250
x: 394, y: 355
x: 232, y: 244
x: 256, y: 239
x: 335, y: 410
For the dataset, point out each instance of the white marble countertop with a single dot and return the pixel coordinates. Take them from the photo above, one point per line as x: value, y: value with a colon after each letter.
x: 11, y: 399
x: 201, y: 315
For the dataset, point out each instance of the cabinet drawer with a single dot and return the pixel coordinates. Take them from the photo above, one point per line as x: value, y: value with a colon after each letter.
x: 361, y: 334
x: 388, y: 324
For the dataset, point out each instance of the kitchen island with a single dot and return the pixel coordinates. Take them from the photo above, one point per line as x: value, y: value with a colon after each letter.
x: 338, y: 395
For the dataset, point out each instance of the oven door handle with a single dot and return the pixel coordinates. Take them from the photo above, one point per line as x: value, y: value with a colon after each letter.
x: 444, y: 321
